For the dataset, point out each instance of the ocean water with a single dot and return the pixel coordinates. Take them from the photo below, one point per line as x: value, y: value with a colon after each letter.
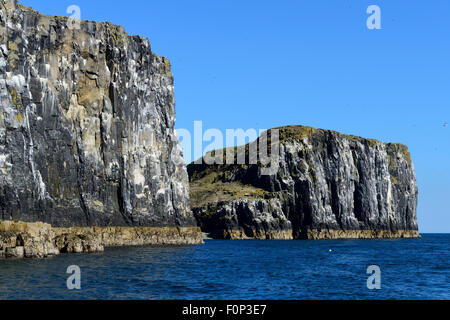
x: 219, y: 269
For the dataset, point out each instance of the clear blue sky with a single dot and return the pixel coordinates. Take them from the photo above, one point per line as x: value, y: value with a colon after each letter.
x: 261, y: 64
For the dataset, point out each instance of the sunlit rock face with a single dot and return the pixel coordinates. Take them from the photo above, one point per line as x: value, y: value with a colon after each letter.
x: 326, y: 185
x: 86, y: 126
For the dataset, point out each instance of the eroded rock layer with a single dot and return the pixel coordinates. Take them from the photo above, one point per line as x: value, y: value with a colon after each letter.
x: 86, y: 126
x: 326, y: 185
x: 39, y: 240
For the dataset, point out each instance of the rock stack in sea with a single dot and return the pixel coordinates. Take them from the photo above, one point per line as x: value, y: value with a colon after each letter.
x: 326, y: 185
x: 88, y: 153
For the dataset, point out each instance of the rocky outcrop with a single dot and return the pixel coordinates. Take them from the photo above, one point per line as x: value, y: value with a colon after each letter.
x: 245, y: 219
x: 19, y: 239
x: 326, y: 185
x: 87, y: 127
x: 39, y: 240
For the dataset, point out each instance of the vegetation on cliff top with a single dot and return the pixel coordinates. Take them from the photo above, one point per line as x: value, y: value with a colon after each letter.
x: 210, y: 186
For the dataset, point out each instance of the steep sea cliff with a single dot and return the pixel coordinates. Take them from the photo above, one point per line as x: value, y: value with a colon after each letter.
x: 89, y: 157
x: 326, y: 185
x: 88, y: 152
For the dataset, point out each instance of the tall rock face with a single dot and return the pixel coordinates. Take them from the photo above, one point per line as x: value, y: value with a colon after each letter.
x: 86, y: 126
x: 327, y: 185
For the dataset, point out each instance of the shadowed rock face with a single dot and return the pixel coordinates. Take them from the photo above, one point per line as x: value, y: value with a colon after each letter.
x: 327, y: 185
x: 86, y: 126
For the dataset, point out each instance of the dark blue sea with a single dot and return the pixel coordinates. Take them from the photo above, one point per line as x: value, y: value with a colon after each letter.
x: 336, y: 269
